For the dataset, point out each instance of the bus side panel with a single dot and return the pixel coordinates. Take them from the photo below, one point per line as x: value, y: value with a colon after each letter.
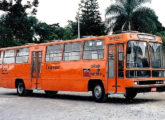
x: 50, y: 76
x: 8, y: 75
x: 23, y: 71
x: 97, y: 71
x: 64, y: 76
x: 72, y: 76
x: 13, y: 72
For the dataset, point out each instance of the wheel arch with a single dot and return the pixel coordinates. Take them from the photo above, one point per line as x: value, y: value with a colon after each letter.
x: 19, y: 80
x: 93, y: 82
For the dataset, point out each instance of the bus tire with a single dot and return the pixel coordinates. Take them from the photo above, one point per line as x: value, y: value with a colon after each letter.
x: 99, y: 93
x: 130, y: 95
x: 21, y: 91
x: 51, y: 92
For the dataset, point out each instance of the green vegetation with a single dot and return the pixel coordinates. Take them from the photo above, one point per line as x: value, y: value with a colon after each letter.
x: 18, y: 27
x: 132, y: 15
x: 90, y: 19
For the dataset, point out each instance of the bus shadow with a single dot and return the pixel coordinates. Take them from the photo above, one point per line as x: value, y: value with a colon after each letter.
x: 111, y: 100
x: 116, y: 100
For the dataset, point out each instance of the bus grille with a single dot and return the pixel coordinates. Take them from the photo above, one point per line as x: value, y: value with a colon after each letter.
x: 151, y: 82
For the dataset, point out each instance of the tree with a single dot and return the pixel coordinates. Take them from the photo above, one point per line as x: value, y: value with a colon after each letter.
x: 68, y: 35
x: 17, y: 19
x: 90, y: 20
x: 162, y: 35
x: 132, y: 15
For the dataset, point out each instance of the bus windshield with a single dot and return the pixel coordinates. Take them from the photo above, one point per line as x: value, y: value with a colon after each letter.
x: 156, y: 55
x: 137, y: 55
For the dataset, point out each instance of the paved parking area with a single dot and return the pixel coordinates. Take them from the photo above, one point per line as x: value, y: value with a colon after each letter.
x: 80, y: 106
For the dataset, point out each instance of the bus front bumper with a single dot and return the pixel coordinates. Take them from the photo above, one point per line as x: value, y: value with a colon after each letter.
x: 143, y: 89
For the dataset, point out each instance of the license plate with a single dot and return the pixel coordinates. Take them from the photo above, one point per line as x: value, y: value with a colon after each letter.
x: 153, y: 89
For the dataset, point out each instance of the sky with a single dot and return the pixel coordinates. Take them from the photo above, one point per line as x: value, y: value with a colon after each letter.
x: 60, y: 11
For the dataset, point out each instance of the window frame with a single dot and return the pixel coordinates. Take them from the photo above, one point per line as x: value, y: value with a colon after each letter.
x: 55, y: 53
x: 102, y: 39
x: 161, y: 52
x: 9, y: 57
x: 22, y: 55
x: 148, y: 53
x: 81, y: 49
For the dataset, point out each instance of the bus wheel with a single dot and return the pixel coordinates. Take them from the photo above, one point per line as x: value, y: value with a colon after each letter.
x: 51, y: 92
x: 21, y: 91
x: 99, y: 93
x: 130, y: 95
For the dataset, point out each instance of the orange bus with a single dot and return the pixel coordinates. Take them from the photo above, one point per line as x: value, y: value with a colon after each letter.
x: 127, y: 63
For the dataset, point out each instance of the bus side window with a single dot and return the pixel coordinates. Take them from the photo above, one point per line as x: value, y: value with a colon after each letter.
x: 93, y: 50
x: 9, y: 57
x: 22, y: 55
x: 120, y: 60
x: 54, y: 53
x: 72, y: 51
x: 1, y: 57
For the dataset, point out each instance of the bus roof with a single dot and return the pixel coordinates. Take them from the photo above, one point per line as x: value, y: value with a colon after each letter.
x: 125, y: 36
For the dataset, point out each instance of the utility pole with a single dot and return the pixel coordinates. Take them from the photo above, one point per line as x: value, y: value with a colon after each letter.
x: 79, y: 23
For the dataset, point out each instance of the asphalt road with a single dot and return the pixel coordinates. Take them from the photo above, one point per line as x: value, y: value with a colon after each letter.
x: 80, y: 106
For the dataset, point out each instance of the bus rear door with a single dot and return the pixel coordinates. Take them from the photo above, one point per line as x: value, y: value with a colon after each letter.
x: 36, y: 69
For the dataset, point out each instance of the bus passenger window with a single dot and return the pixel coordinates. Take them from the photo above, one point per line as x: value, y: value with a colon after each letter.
x: 54, y: 53
x: 94, y: 50
x: 9, y: 57
x: 22, y: 55
x: 1, y: 56
x: 120, y: 60
x: 72, y: 51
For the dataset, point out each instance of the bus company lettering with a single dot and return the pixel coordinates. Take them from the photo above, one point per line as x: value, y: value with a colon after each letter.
x: 52, y: 67
x: 4, y: 70
x: 115, y: 38
x: 95, y: 66
x: 97, y: 73
x: 88, y: 72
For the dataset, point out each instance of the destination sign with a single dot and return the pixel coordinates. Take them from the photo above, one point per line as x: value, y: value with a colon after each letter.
x: 148, y: 37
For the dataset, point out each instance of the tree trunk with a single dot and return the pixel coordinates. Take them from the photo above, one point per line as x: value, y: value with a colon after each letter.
x: 123, y: 27
x: 129, y: 26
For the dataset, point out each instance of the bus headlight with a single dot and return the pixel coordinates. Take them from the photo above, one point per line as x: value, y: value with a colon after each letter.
x: 135, y: 83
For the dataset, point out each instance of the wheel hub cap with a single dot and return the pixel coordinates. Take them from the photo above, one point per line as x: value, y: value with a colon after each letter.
x: 98, y: 92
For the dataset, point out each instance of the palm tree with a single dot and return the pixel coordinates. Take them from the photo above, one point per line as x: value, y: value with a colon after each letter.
x: 132, y: 15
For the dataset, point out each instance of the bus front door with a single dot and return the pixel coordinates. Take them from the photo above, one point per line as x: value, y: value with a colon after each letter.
x: 115, y: 68
x: 36, y: 69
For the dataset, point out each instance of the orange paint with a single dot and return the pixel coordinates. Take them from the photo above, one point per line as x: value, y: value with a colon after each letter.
x: 73, y: 75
